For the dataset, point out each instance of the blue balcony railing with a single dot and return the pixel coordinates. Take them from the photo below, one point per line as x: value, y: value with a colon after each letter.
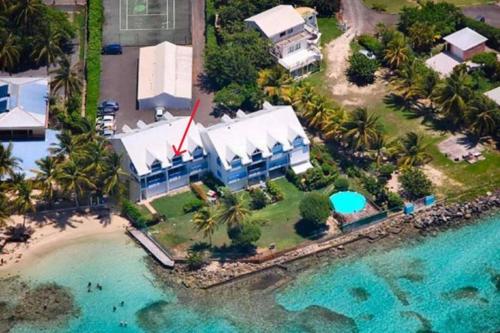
x: 237, y: 175
x: 281, y: 162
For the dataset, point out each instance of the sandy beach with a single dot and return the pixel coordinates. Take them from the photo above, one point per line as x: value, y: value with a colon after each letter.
x: 54, y: 230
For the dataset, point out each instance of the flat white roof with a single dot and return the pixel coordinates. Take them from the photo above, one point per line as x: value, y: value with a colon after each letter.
x: 260, y: 130
x: 300, y: 59
x: 165, y: 68
x: 465, y: 39
x: 277, y: 19
x: 442, y: 63
x: 494, y: 95
x: 27, y: 103
x: 153, y: 142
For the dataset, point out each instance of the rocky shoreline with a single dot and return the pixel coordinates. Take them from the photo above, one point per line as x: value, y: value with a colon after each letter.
x: 395, y: 231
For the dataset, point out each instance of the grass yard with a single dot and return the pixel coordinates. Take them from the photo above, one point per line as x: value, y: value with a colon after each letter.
x: 394, y: 6
x: 329, y: 28
x: 178, y: 232
x: 172, y: 205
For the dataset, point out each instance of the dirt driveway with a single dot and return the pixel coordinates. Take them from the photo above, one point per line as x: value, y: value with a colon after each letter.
x: 363, y: 19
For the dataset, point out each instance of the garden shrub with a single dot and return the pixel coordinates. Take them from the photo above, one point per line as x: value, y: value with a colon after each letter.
x: 394, y: 201
x: 372, y: 185
x: 362, y: 70
x: 130, y: 211
x: 194, y: 260
x: 315, y: 209
x: 193, y: 205
x: 415, y: 183
x: 245, y: 235
x: 385, y: 172
x: 199, y: 191
x: 372, y: 44
x: 258, y: 198
x: 274, y: 191
x: 490, y: 64
x: 341, y: 184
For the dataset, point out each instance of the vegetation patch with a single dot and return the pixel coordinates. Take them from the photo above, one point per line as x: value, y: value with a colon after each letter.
x: 95, y: 21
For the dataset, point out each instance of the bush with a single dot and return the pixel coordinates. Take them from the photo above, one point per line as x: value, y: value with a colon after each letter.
x: 415, y: 183
x: 95, y: 21
x: 258, y: 198
x: 234, y: 96
x: 341, y: 184
x: 194, y: 260
x: 372, y: 185
x: 199, y: 191
x: 394, y: 201
x: 193, y: 205
x: 372, y: 44
x: 379, y: 7
x: 314, y: 179
x: 490, y: 64
x: 244, y: 235
x: 130, y: 211
x: 274, y: 191
x: 362, y: 70
x: 315, y: 209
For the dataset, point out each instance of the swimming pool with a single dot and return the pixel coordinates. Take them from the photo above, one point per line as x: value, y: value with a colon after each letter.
x: 347, y: 202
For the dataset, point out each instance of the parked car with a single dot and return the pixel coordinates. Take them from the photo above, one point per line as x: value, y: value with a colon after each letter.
x: 159, y: 113
x: 112, y: 49
x: 109, y: 103
x: 368, y: 54
x: 106, y: 121
x: 108, y: 132
x: 106, y: 110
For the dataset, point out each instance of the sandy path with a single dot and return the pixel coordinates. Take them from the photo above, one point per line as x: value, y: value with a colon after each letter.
x: 54, y: 231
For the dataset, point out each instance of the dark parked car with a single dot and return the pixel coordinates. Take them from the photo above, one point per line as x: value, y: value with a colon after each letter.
x: 105, y: 111
x: 109, y: 104
x: 112, y: 49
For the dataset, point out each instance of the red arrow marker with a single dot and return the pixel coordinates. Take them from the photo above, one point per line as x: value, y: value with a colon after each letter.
x: 178, y: 151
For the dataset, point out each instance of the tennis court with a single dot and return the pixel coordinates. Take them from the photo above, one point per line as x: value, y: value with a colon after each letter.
x: 147, y: 22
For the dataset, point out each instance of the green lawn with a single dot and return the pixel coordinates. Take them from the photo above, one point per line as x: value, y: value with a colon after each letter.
x: 178, y: 232
x: 394, y: 6
x: 329, y: 28
x: 172, y: 205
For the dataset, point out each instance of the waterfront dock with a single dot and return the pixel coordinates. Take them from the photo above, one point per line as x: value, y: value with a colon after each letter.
x: 152, y: 247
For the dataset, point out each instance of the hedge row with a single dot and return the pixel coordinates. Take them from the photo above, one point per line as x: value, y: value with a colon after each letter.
x: 95, y: 21
x: 130, y: 211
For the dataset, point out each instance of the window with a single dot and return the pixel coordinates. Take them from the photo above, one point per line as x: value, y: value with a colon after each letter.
x: 218, y: 161
x: 291, y: 49
x: 256, y: 156
x: 177, y: 160
x: 278, y: 148
x: 289, y: 31
x: 298, y: 141
x: 156, y: 166
x: 236, y: 162
x: 282, y: 33
x: 297, y: 46
x: 218, y: 174
x: 198, y: 152
x: 132, y: 168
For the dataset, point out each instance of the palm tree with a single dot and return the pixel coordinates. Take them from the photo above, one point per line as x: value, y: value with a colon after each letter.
x: 275, y: 82
x: 304, y: 95
x: 412, y: 150
x: 453, y: 96
x: 422, y: 36
x: 333, y: 125
x: 27, y: 11
x: 94, y: 157
x: 23, y: 202
x: 66, y: 146
x: 233, y: 211
x: 407, y: 82
x: 206, y: 220
x: 317, y: 111
x: 397, y: 52
x: 112, y: 175
x: 46, y: 177
x: 4, y: 210
x: 378, y: 145
x: 8, y: 163
x: 9, y: 52
x: 46, y: 48
x: 66, y: 78
x: 483, y: 117
x: 361, y: 129
x: 73, y: 179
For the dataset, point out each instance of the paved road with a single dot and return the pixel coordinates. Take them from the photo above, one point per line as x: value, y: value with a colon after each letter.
x: 363, y: 19
x: 198, y: 30
x: 490, y: 12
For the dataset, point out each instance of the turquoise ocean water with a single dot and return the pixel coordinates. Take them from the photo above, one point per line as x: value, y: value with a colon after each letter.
x: 443, y: 284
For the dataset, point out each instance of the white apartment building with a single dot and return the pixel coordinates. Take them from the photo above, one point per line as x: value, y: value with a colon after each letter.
x: 294, y: 34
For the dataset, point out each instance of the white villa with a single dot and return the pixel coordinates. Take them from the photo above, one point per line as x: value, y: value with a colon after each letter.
x: 23, y: 107
x: 165, y: 76
x: 239, y: 152
x: 294, y: 34
x: 460, y: 47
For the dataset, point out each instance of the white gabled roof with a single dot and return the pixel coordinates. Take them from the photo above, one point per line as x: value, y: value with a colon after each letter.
x: 165, y: 68
x: 242, y: 136
x: 494, y: 95
x: 465, y: 39
x: 27, y: 103
x: 277, y: 19
x: 154, y: 142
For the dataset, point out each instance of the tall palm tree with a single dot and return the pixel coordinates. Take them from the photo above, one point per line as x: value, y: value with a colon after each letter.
x: 10, y: 52
x: 8, y: 163
x: 46, y: 177
x: 317, y: 111
x: 305, y: 95
x: 333, y: 125
x: 94, y: 157
x: 46, y: 48
x: 23, y: 202
x: 206, y: 220
x: 453, y: 95
x: 483, y: 117
x: 74, y: 180
x: 275, y: 82
x: 66, y: 145
x: 361, y: 129
x: 66, y: 78
x: 5, y: 209
x: 27, y: 11
x: 233, y: 211
x: 113, y: 175
x: 397, y: 52
x: 412, y: 150
x: 407, y: 82
x: 378, y: 145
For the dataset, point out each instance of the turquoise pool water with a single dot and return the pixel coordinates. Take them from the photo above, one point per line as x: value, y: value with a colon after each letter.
x: 347, y: 202
x: 447, y: 283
